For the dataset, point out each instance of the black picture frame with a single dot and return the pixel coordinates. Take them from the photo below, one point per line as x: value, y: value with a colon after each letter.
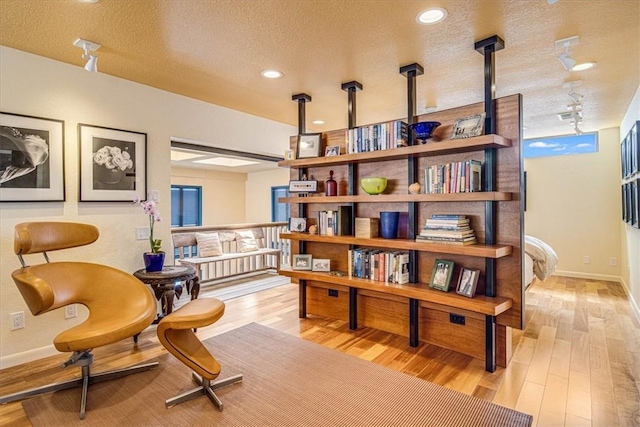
x: 303, y: 186
x: 309, y: 145
x: 628, y: 205
x: 113, y: 164
x: 635, y: 203
x: 623, y: 157
x: 441, y: 274
x: 467, y: 282
x: 634, y: 142
x: 31, y: 159
x: 624, y: 203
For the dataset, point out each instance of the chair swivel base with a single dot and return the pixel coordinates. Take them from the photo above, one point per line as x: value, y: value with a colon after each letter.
x: 205, y: 387
x: 84, y: 381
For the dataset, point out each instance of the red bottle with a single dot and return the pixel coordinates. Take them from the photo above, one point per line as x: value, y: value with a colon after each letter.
x: 331, y: 186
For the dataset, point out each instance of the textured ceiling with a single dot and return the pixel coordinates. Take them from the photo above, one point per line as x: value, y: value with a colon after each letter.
x: 214, y: 50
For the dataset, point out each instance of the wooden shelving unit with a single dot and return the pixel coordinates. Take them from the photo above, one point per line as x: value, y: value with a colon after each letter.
x: 480, y: 196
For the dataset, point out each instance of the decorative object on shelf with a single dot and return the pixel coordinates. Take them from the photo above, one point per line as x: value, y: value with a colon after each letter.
x: 302, y: 262
x: 288, y: 155
x: 467, y: 282
x: 298, y: 225
x: 313, y: 229
x: 112, y: 164
x: 469, y: 126
x: 331, y: 186
x: 415, y: 188
x: 366, y: 228
x: 309, y: 145
x: 332, y: 150
x: 422, y: 131
x: 154, y: 260
x: 389, y: 225
x: 373, y: 185
x: 32, y: 159
x: 304, y: 186
x: 321, y: 264
x: 441, y: 275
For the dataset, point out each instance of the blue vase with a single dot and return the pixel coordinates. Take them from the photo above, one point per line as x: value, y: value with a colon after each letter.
x: 389, y: 225
x: 153, y: 262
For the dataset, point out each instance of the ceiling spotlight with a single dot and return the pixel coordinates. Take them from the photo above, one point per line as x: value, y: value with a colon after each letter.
x: 577, y: 129
x: 431, y: 16
x: 583, y: 66
x: 92, y: 60
x: 271, y: 74
x: 567, y: 61
x: 577, y: 97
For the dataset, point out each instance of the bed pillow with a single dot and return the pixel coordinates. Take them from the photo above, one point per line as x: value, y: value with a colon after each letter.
x: 246, y: 241
x: 208, y: 244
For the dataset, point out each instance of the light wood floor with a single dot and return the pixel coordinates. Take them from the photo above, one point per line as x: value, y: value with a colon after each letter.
x: 577, y: 362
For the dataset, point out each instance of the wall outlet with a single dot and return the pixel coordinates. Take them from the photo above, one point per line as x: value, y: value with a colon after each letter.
x: 70, y: 311
x: 456, y: 318
x: 332, y: 292
x: 586, y: 259
x: 17, y: 320
x: 613, y: 261
x: 143, y: 233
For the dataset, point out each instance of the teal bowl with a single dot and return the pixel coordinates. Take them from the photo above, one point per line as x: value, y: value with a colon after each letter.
x: 373, y: 185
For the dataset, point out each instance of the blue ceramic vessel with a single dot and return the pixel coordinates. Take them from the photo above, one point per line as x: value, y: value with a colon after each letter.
x: 424, y: 130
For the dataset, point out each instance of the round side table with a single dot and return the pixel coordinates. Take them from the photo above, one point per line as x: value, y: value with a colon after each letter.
x: 168, y: 283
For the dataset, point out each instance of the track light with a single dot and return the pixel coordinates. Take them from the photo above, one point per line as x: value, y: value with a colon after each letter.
x: 92, y: 60
x: 577, y: 97
x: 567, y: 61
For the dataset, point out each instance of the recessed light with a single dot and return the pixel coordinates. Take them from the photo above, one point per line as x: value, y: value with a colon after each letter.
x: 271, y: 74
x: 431, y: 16
x: 318, y: 122
x: 88, y: 1
x: 583, y: 66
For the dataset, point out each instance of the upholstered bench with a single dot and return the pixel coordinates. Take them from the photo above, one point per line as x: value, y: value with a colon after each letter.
x: 175, y: 332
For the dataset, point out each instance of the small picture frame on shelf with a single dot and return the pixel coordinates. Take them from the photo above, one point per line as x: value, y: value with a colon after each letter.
x: 467, y: 127
x: 332, y: 150
x: 288, y: 155
x: 297, y: 225
x: 467, y: 282
x: 309, y: 145
x: 306, y: 186
x: 441, y: 275
x: 302, y: 262
x: 321, y: 264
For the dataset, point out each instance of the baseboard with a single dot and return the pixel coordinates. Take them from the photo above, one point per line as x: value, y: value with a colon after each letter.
x: 632, y: 302
x: 592, y: 276
x: 27, y: 356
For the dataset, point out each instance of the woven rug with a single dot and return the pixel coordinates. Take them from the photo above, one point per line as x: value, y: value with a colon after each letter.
x: 287, y: 382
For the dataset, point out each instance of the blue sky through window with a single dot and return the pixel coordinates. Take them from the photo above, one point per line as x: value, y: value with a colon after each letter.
x: 561, y: 145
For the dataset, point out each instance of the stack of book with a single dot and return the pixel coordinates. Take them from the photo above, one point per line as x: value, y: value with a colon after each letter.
x: 448, y: 230
x: 458, y: 177
x: 378, y: 265
x: 383, y: 136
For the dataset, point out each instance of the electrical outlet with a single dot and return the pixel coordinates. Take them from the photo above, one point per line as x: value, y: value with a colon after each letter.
x: 586, y: 259
x: 332, y: 292
x: 456, y: 318
x: 70, y: 311
x: 17, y: 320
x: 143, y: 233
x: 613, y: 261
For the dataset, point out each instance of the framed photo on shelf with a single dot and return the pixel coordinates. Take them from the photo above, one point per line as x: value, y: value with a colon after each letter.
x: 332, y: 150
x: 288, y: 155
x: 298, y: 225
x: 309, y: 145
x: 467, y: 127
x: 441, y: 275
x: 302, y: 262
x: 31, y: 159
x: 321, y: 264
x: 113, y: 164
x: 467, y: 282
x: 307, y: 186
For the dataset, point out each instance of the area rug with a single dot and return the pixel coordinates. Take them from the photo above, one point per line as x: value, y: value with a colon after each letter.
x: 287, y: 382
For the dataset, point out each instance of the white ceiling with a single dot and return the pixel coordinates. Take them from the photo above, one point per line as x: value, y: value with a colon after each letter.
x: 214, y: 50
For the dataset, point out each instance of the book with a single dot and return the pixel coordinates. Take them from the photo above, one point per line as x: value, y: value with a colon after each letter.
x: 448, y: 216
x: 446, y: 233
x: 447, y: 242
x: 343, y: 222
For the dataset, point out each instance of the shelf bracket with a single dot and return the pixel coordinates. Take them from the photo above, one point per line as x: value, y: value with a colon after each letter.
x: 490, y: 343
x: 352, y: 88
x: 414, y: 336
x: 302, y: 298
x: 301, y: 99
x: 353, y: 308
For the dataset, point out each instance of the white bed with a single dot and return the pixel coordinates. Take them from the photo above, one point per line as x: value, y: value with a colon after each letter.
x: 540, y: 260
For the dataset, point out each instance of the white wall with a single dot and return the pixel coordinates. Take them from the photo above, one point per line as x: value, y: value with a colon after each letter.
x: 573, y: 203
x: 37, y: 86
x: 259, y: 193
x: 631, y: 236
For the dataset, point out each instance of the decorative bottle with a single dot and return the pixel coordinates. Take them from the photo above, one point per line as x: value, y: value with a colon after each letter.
x: 331, y: 186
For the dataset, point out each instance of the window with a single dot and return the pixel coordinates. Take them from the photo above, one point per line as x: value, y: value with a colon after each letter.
x: 561, y: 145
x: 186, y: 206
x: 279, y: 211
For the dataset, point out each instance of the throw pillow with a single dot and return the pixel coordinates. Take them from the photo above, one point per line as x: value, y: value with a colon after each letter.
x: 208, y: 244
x: 246, y: 241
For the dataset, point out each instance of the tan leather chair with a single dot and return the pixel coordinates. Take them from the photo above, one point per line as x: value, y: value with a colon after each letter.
x: 120, y: 306
x: 175, y: 332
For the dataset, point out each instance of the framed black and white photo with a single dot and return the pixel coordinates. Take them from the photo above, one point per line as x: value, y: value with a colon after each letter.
x: 298, y: 225
x: 467, y: 282
x: 332, y: 150
x: 441, y: 275
x: 635, y: 203
x: 624, y: 203
x: 467, y: 127
x: 31, y: 159
x: 305, y: 186
x: 321, y: 264
x: 309, y: 145
x: 113, y: 164
x: 302, y: 262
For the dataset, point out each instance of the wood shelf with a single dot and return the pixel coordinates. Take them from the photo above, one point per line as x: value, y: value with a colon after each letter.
x: 420, y: 291
x: 423, y: 150
x: 479, y: 196
x: 477, y: 250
